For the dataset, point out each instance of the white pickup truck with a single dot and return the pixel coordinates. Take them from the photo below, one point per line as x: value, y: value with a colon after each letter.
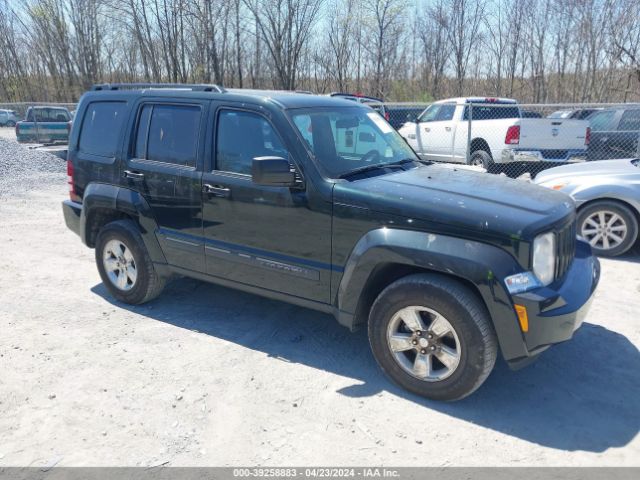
x: 499, y: 134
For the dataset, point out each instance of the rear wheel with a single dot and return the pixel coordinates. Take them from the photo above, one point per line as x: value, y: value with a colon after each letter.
x: 11, y: 123
x: 432, y: 336
x: 610, y: 227
x: 481, y: 158
x: 124, y: 264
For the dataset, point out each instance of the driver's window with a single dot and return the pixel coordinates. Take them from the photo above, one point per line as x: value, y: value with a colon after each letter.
x: 241, y: 137
x: 430, y: 114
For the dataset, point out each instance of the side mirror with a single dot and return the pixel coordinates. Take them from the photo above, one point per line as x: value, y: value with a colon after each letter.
x: 412, y: 117
x: 272, y: 172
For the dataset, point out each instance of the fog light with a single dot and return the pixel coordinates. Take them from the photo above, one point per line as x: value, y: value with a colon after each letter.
x: 521, y: 310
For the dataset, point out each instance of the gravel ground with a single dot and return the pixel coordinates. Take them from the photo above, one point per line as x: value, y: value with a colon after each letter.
x: 210, y: 376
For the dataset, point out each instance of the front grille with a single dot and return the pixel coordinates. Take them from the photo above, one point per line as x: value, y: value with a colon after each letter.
x: 565, y: 249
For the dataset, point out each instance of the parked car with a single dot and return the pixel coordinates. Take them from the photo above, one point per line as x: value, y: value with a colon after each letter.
x: 607, y: 196
x: 8, y: 118
x: 253, y: 190
x: 401, y: 114
x: 499, y: 134
x: 44, y: 124
x: 614, y: 133
x: 376, y: 103
x: 576, y: 114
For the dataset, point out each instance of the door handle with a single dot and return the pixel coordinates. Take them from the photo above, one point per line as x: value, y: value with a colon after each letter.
x: 216, y: 190
x: 448, y: 129
x: 427, y: 129
x: 133, y: 175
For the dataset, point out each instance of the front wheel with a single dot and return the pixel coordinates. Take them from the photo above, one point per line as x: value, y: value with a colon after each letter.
x: 610, y: 227
x: 432, y: 336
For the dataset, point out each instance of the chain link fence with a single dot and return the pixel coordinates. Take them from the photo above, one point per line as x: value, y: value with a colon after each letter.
x: 518, y: 140
x: 499, y: 136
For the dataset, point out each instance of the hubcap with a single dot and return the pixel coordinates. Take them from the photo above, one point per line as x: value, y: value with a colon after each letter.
x: 604, y: 229
x: 424, y: 343
x: 120, y: 265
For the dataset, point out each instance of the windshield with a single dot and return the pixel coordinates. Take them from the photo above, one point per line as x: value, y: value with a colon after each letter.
x: 345, y: 139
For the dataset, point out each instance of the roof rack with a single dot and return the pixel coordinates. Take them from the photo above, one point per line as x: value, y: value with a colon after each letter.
x: 136, y: 86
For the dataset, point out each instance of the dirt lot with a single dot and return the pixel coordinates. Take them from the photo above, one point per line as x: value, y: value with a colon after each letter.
x: 209, y: 376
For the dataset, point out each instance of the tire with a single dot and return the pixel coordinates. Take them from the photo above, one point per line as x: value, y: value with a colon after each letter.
x: 610, y: 227
x: 472, y: 339
x: 481, y: 158
x: 10, y: 123
x: 120, y: 242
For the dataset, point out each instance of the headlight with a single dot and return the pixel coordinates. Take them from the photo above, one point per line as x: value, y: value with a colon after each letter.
x: 544, y: 257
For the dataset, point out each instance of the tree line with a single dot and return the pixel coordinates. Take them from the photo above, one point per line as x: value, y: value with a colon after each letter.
x: 401, y: 50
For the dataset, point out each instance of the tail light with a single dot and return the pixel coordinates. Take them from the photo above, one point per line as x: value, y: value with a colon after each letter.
x: 513, y: 135
x: 587, y: 136
x: 386, y: 116
x: 73, y: 196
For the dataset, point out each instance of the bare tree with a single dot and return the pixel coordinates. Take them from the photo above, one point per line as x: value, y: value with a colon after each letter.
x: 285, y: 27
x: 465, y: 34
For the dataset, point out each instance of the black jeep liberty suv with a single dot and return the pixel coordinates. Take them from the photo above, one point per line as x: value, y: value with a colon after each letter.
x: 319, y: 202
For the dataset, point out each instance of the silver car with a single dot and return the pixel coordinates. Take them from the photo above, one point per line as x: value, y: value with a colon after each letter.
x: 607, y: 195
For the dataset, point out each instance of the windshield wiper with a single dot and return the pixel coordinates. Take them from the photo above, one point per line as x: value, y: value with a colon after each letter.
x: 377, y: 166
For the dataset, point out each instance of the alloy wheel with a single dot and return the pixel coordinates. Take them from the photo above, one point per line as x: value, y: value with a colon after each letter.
x: 120, y: 265
x: 604, y: 229
x: 424, y: 343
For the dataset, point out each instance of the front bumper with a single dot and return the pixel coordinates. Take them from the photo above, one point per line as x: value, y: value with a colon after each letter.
x: 555, y: 312
x: 569, y: 156
x: 72, y: 211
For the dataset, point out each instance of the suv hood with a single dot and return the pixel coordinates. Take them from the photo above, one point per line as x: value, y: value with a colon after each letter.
x: 459, y: 199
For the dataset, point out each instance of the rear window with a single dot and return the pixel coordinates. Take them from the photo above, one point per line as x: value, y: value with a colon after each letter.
x: 48, y: 115
x: 630, y: 121
x: 169, y: 134
x: 602, y: 121
x: 101, y: 128
x: 492, y: 112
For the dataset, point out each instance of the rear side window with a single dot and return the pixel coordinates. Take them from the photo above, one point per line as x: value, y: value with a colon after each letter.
x: 101, y: 127
x: 630, y: 121
x: 169, y: 134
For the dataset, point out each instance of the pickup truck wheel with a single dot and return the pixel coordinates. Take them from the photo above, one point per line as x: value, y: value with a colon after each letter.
x: 10, y: 123
x: 124, y: 264
x: 481, y: 158
x: 610, y: 227
x: 432, y: 336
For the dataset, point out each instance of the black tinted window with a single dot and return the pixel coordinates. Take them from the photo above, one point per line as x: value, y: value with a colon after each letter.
x: 630, y: 120
x: 168, y: 133
x: 241, y: 137
x: 492, y: 112
x: 101, y: 128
